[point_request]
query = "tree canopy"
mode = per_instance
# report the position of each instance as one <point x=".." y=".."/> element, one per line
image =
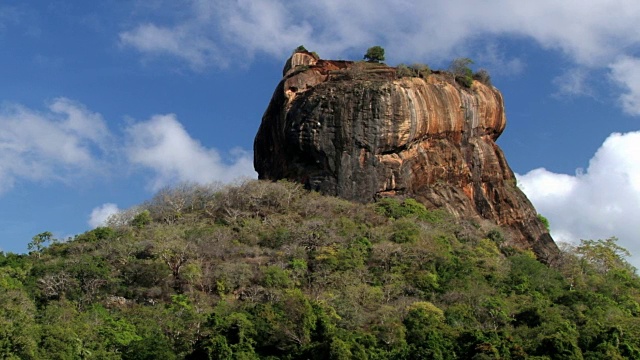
<point x="374" y="54"/>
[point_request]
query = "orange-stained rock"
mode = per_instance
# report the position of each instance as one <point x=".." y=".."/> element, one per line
<point x="353" y="130"/>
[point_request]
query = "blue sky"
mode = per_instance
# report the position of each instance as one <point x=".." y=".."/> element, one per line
<point x="103" y="103"/>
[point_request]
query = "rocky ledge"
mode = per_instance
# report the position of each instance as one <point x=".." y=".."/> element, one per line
<point x="355" y="130"/>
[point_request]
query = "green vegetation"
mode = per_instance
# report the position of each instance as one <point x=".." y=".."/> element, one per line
<point x="270" y="271"/>
<point x="374" y="54"/>
<point x="461" y="71"/>
<point x="463" y="75"/>
<point x="544" y="221"/>
<point x="38" y="242"/>
<point x="415" y="70"/>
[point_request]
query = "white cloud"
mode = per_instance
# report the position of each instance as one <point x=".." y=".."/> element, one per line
<point x="591" y="33"/>
<point x="432" y="28"/>
<point x="53" y="145"/>
<point x="626" y="73"/>
<point x="68" y="142"/>
<point x="600" y="202"/>
<point x="162" y="145"/>
<point x="574" y="82"/>
<point x="494" y="58"/>
<point x="182" y="42"/>
<point x="101" y="214"/>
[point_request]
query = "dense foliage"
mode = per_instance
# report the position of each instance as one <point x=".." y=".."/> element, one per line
<point x="374" y="54"/>
<point x="269" y="271"/>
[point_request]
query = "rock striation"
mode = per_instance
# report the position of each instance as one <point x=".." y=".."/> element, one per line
<point x="356" y="131"/>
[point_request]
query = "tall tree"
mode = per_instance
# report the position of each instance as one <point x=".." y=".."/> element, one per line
<point x="374" y="54"/>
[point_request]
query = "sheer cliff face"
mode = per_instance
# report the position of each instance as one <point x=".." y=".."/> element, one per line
<point x="357" y="132"/>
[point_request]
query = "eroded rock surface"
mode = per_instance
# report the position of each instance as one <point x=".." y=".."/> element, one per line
<point x="356" y="131"/>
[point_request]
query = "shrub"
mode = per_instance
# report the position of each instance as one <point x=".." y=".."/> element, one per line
<point x="405" y="231"/>
<point x="421" y="70"/>
<point x="95" y="235"/>
<point x="143" y="218"/>
<point x="461" y="72"/>
<point x="415" y="70"/>
<point x="403" y="70"/>
<point x="483" y="76"/>
<point x="544" y="221"/>
<point x="496" y="236"/>
<point x="393" y="208"/>
<point x="276" y="277"/>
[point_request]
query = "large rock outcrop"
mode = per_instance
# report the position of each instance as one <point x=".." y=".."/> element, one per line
<point x="356" y="131"/>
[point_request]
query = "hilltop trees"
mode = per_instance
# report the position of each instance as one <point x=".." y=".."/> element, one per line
<point x="267" y="270"/>
<point x="38" y="242"/>
<point x="374" y="54"/>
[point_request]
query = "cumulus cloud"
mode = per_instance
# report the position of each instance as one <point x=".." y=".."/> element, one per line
<point x="163" y="146"/>
<point x="68" y="142"/>
<point x="101" y="214"/>
<point x="599" y="202"/>
<point x="63" y="142"/>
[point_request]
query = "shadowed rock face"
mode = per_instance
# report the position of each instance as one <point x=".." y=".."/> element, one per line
<point x="355" y="131"/>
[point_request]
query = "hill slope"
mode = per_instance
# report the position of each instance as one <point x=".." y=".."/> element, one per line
<point x="271" y="271"/>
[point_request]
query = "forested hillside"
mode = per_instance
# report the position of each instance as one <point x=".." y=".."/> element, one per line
<point x="266" y="270"/>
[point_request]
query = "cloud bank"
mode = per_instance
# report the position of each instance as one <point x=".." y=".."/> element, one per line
<point x="68" y="142"/>
<point x="217" y="28"/>
<point x="597" y="203"/>
<point x="592" y="34"/>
